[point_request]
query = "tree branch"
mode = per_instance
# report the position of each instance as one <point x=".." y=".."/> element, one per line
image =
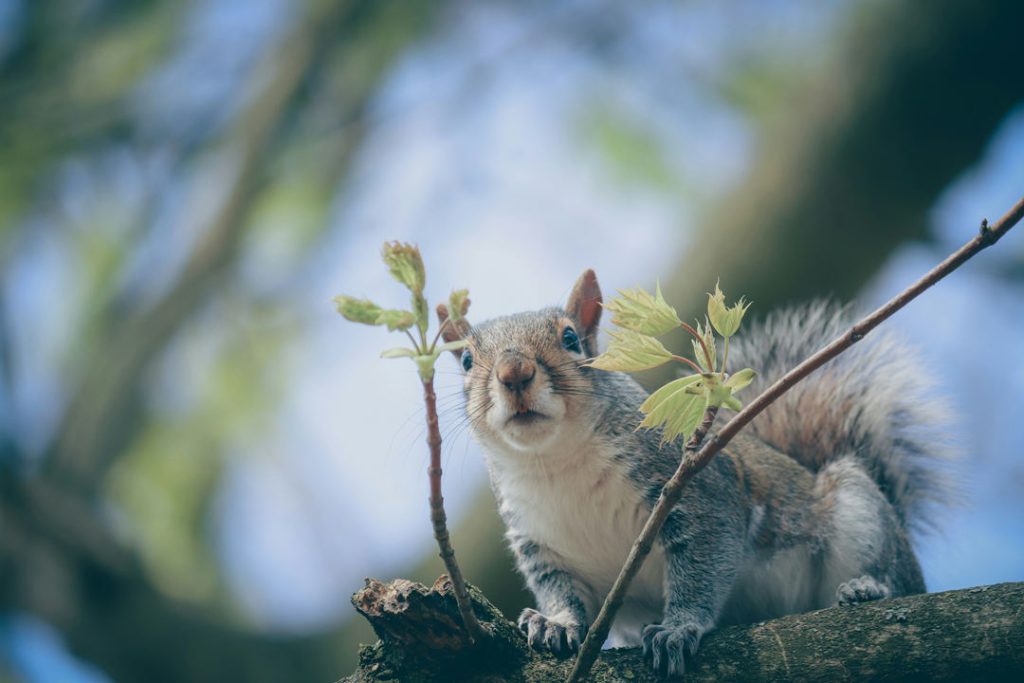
<point x="692" y="463"/>
<point x="973" y="634"/>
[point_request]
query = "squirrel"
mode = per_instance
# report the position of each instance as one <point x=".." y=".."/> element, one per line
<point x="812" y="505"/>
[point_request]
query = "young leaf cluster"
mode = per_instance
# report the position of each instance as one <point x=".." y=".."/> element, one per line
<point x="678" y="407"/>
<point x="406" y="266"/>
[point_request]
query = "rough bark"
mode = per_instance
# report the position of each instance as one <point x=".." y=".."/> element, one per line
<point x="972" y="634"/>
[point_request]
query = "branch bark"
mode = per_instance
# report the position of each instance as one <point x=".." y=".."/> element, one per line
<point x="972" y="634"/>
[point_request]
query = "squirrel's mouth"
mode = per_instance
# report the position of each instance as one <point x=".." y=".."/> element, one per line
<point x="527" y="417"/>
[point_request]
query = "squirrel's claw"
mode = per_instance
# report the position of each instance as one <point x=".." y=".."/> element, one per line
<point x="666" y="647"/>
<point x="543" y="633"/>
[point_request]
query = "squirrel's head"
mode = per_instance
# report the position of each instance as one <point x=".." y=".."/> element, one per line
<point x="524" y="380"/>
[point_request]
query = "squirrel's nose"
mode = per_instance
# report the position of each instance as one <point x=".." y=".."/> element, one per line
<point x="516" y="373"/>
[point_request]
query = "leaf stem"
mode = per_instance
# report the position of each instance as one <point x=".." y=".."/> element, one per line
<point x="692" y="463"/>
<point x="684" y="359"/>
<point x="707" y="354"/>
<point x="416" y="346"/>
<point x="725" y="355"/>
<point x="437" y="336"/>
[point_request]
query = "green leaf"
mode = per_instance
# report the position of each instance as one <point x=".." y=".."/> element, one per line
<point x="399" y="352"/>
<point x="639" y="311"/>
<point x="405" y="264"/>
<point x="630" y="351"/>
<point x="726" y="319"/>
<point x="458" y="304"/>
<point x="708" y="336"/>
<point x="422" y="311"/>
<point x="674" y="406"/>
<point x="453" y="345"/>
<point x="358" y="310"/>
<point x="739" y="380"/>
<point x="395" y="319"/>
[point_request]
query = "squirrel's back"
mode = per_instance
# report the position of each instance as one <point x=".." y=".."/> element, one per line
<point x="873" y="402"/>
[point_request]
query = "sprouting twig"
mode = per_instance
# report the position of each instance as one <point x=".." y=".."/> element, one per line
<point x="693" y="462"/>
<point x="439" y="519"/>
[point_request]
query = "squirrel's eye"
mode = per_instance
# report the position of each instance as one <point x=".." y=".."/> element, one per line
<point x="467" y="360"/>
<point x="570" y="340"/>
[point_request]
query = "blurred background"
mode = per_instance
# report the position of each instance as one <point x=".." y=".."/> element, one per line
<point x="200" y="460"/>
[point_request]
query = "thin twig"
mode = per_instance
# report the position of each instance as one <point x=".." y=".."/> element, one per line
<point x="440" y="519"/>
<point x="692" y="463"/>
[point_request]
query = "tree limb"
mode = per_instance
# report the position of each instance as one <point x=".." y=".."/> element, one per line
<point x="972" y="634"/>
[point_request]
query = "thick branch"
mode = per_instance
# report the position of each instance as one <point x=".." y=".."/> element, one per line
<point x="974" y="634"/>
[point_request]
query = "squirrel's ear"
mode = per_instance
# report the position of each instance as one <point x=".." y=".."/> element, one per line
<point x="585" y="307"/>
<point x="452" y="331"/>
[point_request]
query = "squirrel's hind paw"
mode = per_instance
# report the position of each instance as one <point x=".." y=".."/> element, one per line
<point x="544" y="633"/>
<point x="666" y="647"/>
<point x="863" y="589"/>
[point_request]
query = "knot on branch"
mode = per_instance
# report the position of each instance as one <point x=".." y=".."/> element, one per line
<point x="423" y="626"/>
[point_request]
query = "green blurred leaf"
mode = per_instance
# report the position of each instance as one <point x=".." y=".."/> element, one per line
<point x="396" y="319"/>
<point x="421" y="311"/>
<point x="458" y="304"/>
<point x="400" y="352"/>
<point x="632" y="148"/>
<point x="637" y="310"/>
<point x="630" y="351"/>
<point x="405" y="265"/>
<point x="358" y="310"/>
<point x="453" y="345"/>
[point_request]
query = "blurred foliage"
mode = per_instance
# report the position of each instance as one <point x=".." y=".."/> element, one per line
<point x="632" y="150"/>
<point x="169" y="171"/>
<point x="179" y="217"/>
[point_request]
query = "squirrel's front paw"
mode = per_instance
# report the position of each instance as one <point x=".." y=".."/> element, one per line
<point x="560" y="636"/>
<point x="666" y="646"/>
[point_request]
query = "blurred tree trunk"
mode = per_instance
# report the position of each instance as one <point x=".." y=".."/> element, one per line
<point x="851" y="172"/>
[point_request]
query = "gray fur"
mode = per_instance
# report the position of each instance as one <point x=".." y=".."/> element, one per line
<point x="808" y="507"/>
<point x="874" y="401"/>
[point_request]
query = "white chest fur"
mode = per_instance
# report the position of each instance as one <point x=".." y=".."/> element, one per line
<point x="575" y="501"/>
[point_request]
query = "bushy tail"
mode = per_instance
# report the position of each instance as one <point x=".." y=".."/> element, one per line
<point x="872" y="401"/>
